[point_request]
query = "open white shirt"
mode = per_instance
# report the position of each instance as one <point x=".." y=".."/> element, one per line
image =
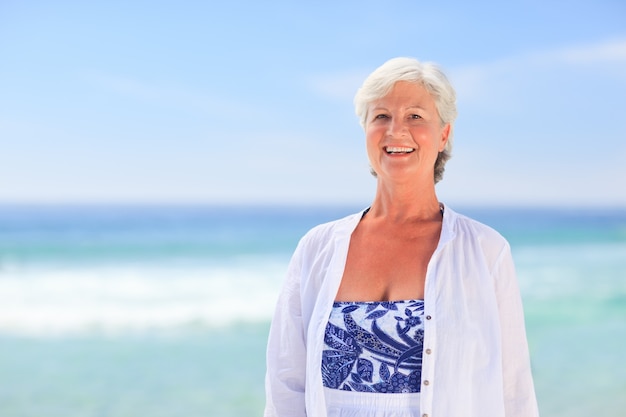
<point x="475" y="361"/>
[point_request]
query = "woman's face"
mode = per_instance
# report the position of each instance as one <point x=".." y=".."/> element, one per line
<point x="404" y="134"/>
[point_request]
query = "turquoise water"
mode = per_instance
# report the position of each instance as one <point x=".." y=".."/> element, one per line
<point x="164" y="311"/>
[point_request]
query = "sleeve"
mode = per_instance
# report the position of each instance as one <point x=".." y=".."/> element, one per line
<point x="519" y="391"/>
<point x="286" y="349"/>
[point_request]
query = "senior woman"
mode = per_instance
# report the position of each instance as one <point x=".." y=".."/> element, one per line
<point x="406" y="308"/>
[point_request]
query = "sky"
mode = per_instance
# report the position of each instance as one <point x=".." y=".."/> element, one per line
<point x="250" y="102"/>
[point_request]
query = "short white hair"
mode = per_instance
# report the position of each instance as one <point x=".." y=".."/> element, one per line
<point x="427" y="74"/>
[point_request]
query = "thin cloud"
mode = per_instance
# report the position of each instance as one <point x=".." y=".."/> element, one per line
<point x="612" y="51"/>
<point x="180" y="97"/>
<point x="126" y="86"/>
<point x="340" y="86"/>
<point x="475" y="81"/>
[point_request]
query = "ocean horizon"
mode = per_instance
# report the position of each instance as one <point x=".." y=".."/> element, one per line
<point x="163" y="310"/>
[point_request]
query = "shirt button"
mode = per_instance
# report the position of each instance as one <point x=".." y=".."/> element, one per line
<point x="428" y="317"/>
<point x="426" y="382"/>
<point x="428" y="351"/>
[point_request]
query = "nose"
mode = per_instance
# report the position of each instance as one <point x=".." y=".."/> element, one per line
<point x="397" y="128"/>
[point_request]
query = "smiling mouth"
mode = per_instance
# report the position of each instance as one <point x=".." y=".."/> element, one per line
<point x="395" y="150"/>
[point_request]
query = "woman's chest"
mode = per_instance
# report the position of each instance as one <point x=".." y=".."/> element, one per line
<point x="386" y="267"/>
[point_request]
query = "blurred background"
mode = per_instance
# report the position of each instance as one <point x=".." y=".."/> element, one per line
<point x="160" y="161"/>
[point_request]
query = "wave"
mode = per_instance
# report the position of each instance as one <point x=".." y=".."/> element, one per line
<point x="60" y="300"/>
<point x="558" y="282"/>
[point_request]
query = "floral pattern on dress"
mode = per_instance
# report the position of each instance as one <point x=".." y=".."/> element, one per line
<point x="374" y="347"/>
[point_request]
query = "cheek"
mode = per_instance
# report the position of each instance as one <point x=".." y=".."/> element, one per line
<point x="372" y="148"/>
<point x="370" y="138"/>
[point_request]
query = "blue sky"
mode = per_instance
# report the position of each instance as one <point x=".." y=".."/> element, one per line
<point x="251" y="102"/>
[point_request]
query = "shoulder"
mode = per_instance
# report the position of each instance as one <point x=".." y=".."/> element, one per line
<point x="324" y="234"/>
<point x="476" y="229"/>
<point x="471" y="233"/>
<point x="317" y="249"/>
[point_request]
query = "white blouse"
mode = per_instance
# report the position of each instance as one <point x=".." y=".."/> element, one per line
<point x="475" y="360"/>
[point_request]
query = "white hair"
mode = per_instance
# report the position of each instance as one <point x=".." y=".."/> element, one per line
<point x="380" y="82"/>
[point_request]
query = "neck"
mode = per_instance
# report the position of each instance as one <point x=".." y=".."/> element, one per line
<point x="401" y="203"/>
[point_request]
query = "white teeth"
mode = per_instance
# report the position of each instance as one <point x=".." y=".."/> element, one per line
<point x="398" y="149"/>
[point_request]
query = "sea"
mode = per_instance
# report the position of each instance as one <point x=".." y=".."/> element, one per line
<point x="163" y="311"/>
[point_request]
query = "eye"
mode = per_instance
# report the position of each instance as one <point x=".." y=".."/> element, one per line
<point x="415" y="116"/>
<point x="381" y="116"/>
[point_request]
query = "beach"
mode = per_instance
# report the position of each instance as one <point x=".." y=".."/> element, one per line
<point x="164" y="310"/>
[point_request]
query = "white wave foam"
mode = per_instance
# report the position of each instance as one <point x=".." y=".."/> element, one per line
<point x="593" y="272"/>
<point x="61" y="300"/>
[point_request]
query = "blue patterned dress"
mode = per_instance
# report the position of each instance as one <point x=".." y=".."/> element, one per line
<point x="372" y="361"/>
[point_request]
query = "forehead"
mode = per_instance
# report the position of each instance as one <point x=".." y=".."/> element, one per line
<point x="407" y="94"/>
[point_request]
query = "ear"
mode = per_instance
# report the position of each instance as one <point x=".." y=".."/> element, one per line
<point x="445" y="133"/>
